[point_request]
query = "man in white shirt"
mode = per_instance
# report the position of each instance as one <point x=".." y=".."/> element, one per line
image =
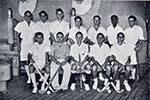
<point x="25" y="30"/>
<point x="134" y="39"/>
<point x="79" y="51"/>
<point x="59" y="25"/>
<point x="39" y="59"/>
<point x="77" y="28"/>
<point x="113" y="29"/>
<point x="95" y="29"/>
<point x="122" y="57"/>
<point x="60" y="55"/>
<point x="44" y="26"/>
<point x="99" y="52"/>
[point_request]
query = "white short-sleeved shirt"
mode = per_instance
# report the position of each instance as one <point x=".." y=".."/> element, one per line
<point x="75" y="50"/>
<point x="27" y="34"/>
<point x="92" y="33"/>
<point x="121" y="52"/>
<point x="100" y="53"/>
<point x="112" y="33"/>
<point x="133" y="35"/>
<point x="39" y="54"/>
<point x="45" y="29"/>
<point x="57" y="26"/>
<point x="27" y="31"/>
<point x="74" y="30"/>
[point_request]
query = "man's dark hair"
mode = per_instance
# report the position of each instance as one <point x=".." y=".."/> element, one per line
<point x="60" y="33"/>
<point x="39" y="33"/>
<point x="97" y="17"/>
<point x="30" y="14"/>
<point x="36" y="34"/>
<point x="132" y="16"/>
<point x="100" y="34"/>
<point x="79" y="33"/>
<point x="114" y="16"/>
<point x="44" y="13"/>
<point x="77" y="17"/>
<point x="120" y="33"/>
<point x="59" y="9"/>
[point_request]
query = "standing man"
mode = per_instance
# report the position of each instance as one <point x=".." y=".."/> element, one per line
<point x="60" y="56"/>
<point x="77" y="28"/>
<point x="59" y="25"/>
<point x="25" y="30"/>
<point x="44" y="26"/>
<point x="113" y="29"/>
<point x="134" y="39"/>
<point x="95" y="29"/>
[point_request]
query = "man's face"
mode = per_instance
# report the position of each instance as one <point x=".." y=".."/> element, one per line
<point x="78" y="22"/>
<point x="120" y="38"/>
<point x="131" y="22"/>
<point x="79" y="37"/>
<point x="59" y="15"/>
<point x="100" y="39"/>
<point x="39" y="39"/>
<point x="114" y="21"/>
<point x="43" y="17"/>
<point x="96" y="21"/>
<point x="28" y="16"/>
<point x="59" y="37"/>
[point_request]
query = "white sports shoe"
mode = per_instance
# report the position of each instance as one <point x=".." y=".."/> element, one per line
<point x="95" y="84"/>
<point x="40" y="79"/>
<point x="101" y="77"/>
<point x="72" y="86"/>
<point x="29" y="81"/>
<point x="35" y="89"/>
<point x="127" y="86"/>
<point x="87" y="88"/>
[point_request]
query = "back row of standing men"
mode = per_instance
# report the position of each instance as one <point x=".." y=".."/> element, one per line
<point x="131" y="37"/>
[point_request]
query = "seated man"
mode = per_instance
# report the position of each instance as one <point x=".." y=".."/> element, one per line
<point x="99" y="52"/>
<point x="79" y="54"/>
<point x="60" y="56"/>
<point x="121" y="55"/>
<point x="38" y="56"/>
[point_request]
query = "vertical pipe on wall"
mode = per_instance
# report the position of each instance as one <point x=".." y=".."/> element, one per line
<point x="10" y="26"/>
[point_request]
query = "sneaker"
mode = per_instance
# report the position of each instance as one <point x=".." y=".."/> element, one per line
<point x="29" y="81"/>
<point x="87" y="88"/>
<point x="35" y="89"/>
<point x="95" y="84"/>
<point x="58" y="88"/>
<point x="72" y="86"/>
<point x="40" y="79"/>
<point x="127" y="86"/>
<point x="101" y="77"/>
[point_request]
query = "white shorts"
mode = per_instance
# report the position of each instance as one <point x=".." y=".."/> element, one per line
<point x="40" y="65"/>
<point x="24" y="53"/>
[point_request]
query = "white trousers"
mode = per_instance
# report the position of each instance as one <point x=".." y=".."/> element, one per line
<point x="66" y="75"/>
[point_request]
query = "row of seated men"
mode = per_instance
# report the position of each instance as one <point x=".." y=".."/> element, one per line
<point x="50" y="46"/>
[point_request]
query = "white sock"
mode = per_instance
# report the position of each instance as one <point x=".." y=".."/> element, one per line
<point x="28" y="75"/>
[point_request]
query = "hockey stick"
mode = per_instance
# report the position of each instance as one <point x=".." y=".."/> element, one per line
<point x="51" y="80"/>
<point x="110" y="82"/>
<point x="50" y="87"/>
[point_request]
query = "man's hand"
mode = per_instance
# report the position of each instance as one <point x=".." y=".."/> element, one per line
<point x="128" y="61"/>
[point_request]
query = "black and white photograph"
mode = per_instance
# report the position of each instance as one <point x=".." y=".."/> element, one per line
<point x="74" y="49"/>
